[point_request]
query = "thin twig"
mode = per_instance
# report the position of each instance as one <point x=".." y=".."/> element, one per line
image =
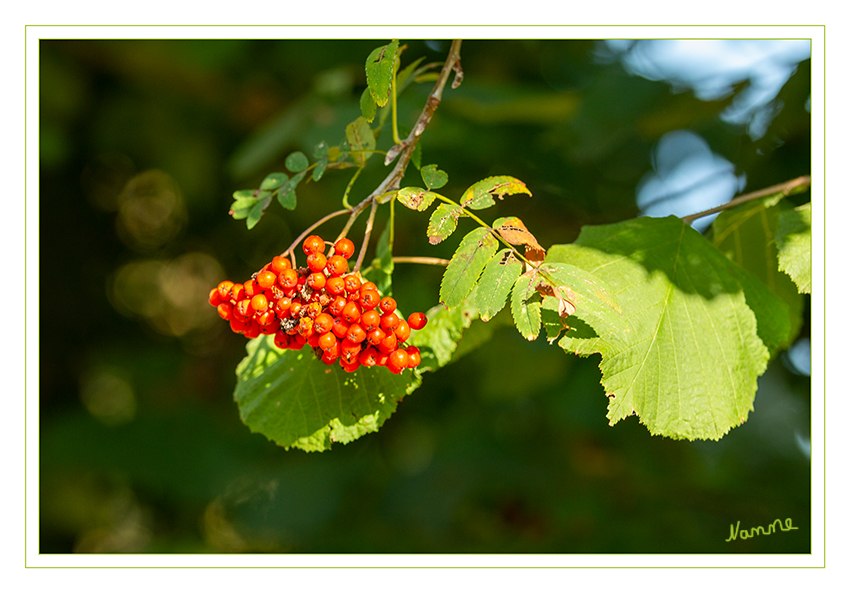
<point x="785" y="188"/>
<point x="412" y="259"/>
<point x="366" y="236"/>
<point x="311" y="228"/>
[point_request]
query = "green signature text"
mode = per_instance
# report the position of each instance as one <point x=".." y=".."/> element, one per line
<point x="735" y="531"/>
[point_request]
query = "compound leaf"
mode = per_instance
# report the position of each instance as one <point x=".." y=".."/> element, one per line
<point x="698" y="327"/>
<point x="466" y="265"/>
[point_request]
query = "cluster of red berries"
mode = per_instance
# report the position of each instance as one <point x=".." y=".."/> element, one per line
<point x="337" y="314"/>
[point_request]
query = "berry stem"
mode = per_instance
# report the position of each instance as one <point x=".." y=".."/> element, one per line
<point x="309" y="230"/>
<point x="412" y="259"/>
<point x="366" y="235"/>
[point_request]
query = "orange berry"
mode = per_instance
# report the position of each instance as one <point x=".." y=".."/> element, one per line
<point x="295" y="308"/>
<point x="237" y="293"/>
<point x="323" y="323"/>
<point x="313" y="244"/>
<point x="388" y="304"/>
<point x="337" y="305"/>
<point x="260" y="303"/>
<point x="352" y="282"/>
<point x="402" y="330"/>
<point x="388" y="344"/>
<point x="350" y="367"/>
<point x="351" y="312"/>
<point x="266" y="279"/>
<point x="368" y="285"/>
<point x="369" y="299"/>
<point x="327" y="340"/>
<point x="281" y="340"/>
<point x="244" y="308"/>
<point x="337" y="265"/>
<point x="224" y="289"/>
<point x="225" y="311"/>
<point x="368" y="357"/>
<point x="288" y="279"/>
<point x="376" y="336"/>
<point x="281" y="307"/>
<point x="280" y="263"/>
<point x="335" y="285"/>
<point x="414" y="357"/>
<point x="355" y="333"/>
<point x="340" y="328"/>
<point x="317" y="262"/>
<point x="215" y="300"/>
<point x="238" y="326"/>
<point x="344" y="248"/>
<point x="316" y="281"/>
<point x="417" y="320"/>
<point x="251" y="289"/>
<point x="389" y="321"/>
<point x="370" y="320"/>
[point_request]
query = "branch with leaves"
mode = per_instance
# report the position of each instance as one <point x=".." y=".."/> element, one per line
<point x="685" y="323"/>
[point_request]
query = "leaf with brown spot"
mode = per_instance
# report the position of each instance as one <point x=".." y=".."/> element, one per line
<point x="480" y="195"/>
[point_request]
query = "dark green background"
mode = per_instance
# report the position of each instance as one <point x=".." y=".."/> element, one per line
<point x="505" y="451"/>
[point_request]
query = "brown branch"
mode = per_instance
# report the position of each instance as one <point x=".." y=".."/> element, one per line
<point x="785" y="188"/>
<point x="412" y="259"/>
<point x="366" y="235"/>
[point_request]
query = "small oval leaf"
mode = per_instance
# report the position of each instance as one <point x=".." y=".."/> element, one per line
<point x="297" y="162"/>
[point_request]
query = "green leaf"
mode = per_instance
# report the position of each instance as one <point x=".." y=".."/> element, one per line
<point x="286" y="194"/>
<point x="589" y="299"/>
<point x="368" y="107"/>
<point x="404" y="74"/>
<point x="321" y="151"/>
<point x="255" y="214"/>
<point x="481" y="194"/>
<point x="244" y="193"/>
<point x="433" y="177"/>
<point x="443" y="222"/>
<point x="274" y="181"/>
<point x="794" y="241"/>
<point x="416" y="198"/>
<point x="466" y="265"/>
<point x="360" y="137"/>
<point x="525" y="306"/>
<point x="697" y="327"/>
<point x="319" y="169"/>
<point x="297" y="162"/>
<point x="746" y="235"/>
<point x="416" y="157"/>
<point x="497" y="279"/>
<point x="380" y="66"/>
<point x="297" y="401"/>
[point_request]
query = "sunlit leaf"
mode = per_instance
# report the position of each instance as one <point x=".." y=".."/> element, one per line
<point x="274" y="181"/>
<point x="525" y="306"/>
<point x="698" y="326"/>
<point x="416" y="198"/>
<point x="481" y="194"/>
<point x="443" y="222"/>
<point x="497" y="279"/>
<point x="433" y="177"/>
<point x="466" y="265"/>
<point x="794" y="241"/>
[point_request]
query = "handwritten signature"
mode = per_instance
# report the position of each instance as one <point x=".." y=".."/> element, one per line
<point x="735" y="531"/>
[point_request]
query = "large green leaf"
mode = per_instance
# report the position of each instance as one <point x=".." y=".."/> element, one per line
<point x="297" y="401"/>
<point x="746" y="235"/>
<point x="697" y="327"/>
<point x="466" y="265"/>
<point x="794" y="241"/>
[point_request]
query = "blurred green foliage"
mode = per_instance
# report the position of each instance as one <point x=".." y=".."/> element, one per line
<point x="142" y="144"/>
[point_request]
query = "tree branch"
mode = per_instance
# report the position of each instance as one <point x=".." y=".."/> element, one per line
<point x="786" y="188"/>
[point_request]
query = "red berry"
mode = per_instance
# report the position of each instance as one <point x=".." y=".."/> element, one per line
<point x="388" y="304"/>
<point x="335" y="285"/>
<point x="225" y="311"/>
<point x="398" y="359"/>
<point x="244" y="308"/>
<point x="352" y="283"/>
<point x="344" y="248"/>
<point x="316" y="281"/>
<point x="317" y="262"/>
<point x="251" y="289"/>
<point x="327" y="340"/>
<point x="281" y="340"/>
<point x="313" y="244"/>
<point x="337" y="305"/>
<point x="260" y="303"/>
<point x="266" y="279"/>
<point x="369" y="299"/>
<point x="337" y="265"/>
<point x="281" y="307"/>
<point x="402" y="330"/>
<point x="224" y="289"/>
<point x="340" y="327"/>
<point x="417" y="320"/>
<point x="370" y="320"/>
<point x="288" y="279"/>
<point x="368" y="357"/>
<point x="237" y="293"/>
<point x="414" y="357"/>
<point x="323" y="323"/>
<point x="389" y="321"/>
<point x="351" y="312"/>
<point x="279" y="264"/>
<point x="388" y="344"/>
<point x="355" y="333"/>
<point x="376" y="336"/>
<point x="215" y="300"/>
